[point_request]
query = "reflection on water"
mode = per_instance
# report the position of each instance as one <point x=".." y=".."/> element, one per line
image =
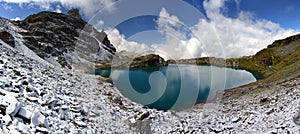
<point x="175" y="87"/>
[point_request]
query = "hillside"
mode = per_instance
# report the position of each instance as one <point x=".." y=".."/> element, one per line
<point x="279" y="61"/>
<point x="64" y="40"/>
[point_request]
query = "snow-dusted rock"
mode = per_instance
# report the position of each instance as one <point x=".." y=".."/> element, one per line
<point x="235" y="119"/>
<point x="25" y="113"/>
<point x="38" y="119"/>
<point x="23" y="128"/>
<point x="297" y="119"/>
<point x="80" y="123"/>
<point x="7" y="119"/>
<point x="13" y="105"/>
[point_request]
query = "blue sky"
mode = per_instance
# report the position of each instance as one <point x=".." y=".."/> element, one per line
<point x="284" y="12"/>
<point x="150" y="24"/>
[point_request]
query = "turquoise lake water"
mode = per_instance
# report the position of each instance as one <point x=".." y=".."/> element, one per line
<point x="175" y="87"/>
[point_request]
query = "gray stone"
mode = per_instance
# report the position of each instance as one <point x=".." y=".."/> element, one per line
<point x="13" y="105"/>
<point x="38" y="119"/>
<point x="7" y="119"/>
<point x="25" y="113"/>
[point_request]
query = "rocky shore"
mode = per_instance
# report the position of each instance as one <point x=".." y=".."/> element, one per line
<point x="36" y="97"/>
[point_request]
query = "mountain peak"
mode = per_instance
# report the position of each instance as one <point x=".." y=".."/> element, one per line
<point x="60" y="39"/>
<point x="74" y="13"/>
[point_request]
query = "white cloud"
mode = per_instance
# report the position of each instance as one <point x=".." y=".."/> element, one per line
<point x="58" y="9"/>
<point x="88" y="7"/>
<point x="234" y="37"/>
<point x="177" y="46"/>
<point x="99" y="25"/>
<point x="121" y="43"/>
<point x="219" y="36"/>
<point x="16" y="19"/>
<point x="7" y="7"/>
<point x="289" y="9"/>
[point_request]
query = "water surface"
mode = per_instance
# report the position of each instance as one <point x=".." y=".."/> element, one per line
<point x="175" y="87"/>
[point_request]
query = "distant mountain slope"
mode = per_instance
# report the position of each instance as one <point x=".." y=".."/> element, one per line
<point x="61" y="39"/>
<point x="278" y="61"/>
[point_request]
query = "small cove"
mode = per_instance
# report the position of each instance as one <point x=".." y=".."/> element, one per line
<point x="175" y="86"/>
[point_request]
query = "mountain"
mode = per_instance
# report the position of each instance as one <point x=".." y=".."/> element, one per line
<point x="61" y="39"/>
<point x="279" y="61"/>
<point x="134" y="61"/>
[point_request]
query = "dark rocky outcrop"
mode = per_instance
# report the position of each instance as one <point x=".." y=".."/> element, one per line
<point x="74" y="13"/>
<point x="7" y="38"/>
<point x="147" y="61"/>
<point x="150" y="60"/>
<point x="56" y="35"/>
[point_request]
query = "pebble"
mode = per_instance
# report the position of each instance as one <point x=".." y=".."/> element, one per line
<point x="38" y="119"/>
<point x="23" y="128"/>
<point x="80" y="123"/>
<point x="42" y="129"/>
<point x="7" y="119"/>
<point x="13" y="104"/>
<point x="132" y="120"/>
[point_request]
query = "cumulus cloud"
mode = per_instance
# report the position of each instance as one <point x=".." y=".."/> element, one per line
<point x="58" y="9"/>
<point x="218" y="36"/>
<point x="16" y="19"/>
<point x="7" y="7"/>
<point x="122" y="44"/>
<point x="234" y="37"/>
<point x="177" y="45"/>
<point x="88" y="7"/>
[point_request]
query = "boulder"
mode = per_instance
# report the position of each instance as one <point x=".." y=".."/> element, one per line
<point x="38" y="119"/>
<point x="12" y="104"/>
<point x="25" y="113"/>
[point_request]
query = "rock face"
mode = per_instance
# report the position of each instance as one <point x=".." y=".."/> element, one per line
<point x="74" y="13"/>
<point x="7" y="37"/>
<point x="62" y="39"/>
<point x="147" y="60"/>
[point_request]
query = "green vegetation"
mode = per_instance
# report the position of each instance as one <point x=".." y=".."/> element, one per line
<point x="279" y="61"/>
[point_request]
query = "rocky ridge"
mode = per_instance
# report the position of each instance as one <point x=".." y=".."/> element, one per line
<point x="150" y="60"/>
<point x="60" y="39"/>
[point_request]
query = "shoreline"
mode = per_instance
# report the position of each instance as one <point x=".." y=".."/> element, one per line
<point x="107" y="110"/>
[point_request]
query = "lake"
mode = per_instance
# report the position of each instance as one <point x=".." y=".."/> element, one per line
<point x="175" y="87"/>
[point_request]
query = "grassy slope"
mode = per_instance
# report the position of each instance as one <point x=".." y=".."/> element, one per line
<point x="278" y="63"/>
<point x="281" y="60"/>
